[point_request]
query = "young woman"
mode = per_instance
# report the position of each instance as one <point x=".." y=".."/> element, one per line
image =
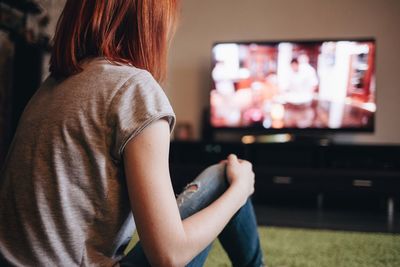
<point x="92" y="149"/>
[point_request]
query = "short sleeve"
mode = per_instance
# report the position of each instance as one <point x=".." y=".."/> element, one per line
<point x="138" y="103"/>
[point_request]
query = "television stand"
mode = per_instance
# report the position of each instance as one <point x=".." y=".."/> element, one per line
<point x="321" y="178"/>
<point x="323" y="140"/>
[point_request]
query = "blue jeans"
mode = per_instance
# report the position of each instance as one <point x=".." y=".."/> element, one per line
<point x="239" y="238"/>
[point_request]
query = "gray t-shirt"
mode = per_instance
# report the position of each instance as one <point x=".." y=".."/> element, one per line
<point x="63" y="195"/>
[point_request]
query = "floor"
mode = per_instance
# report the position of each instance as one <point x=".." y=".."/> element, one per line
<point x="333" y="219"/>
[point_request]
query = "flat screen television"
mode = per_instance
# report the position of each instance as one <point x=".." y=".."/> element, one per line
<point x="293" y="86"/>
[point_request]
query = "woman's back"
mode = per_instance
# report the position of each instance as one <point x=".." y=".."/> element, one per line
<point x="64" y="170"/>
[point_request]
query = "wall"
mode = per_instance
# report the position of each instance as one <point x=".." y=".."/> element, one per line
<point x="206" y="21"/>
<point x="53" y="8"/>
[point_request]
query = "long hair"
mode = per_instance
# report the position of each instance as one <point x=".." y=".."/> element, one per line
<point x="132" y="32"/>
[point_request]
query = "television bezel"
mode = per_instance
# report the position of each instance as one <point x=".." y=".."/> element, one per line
<point x="258" y="130"/>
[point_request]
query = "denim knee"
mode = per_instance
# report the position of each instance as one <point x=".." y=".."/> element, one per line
<point x="206" y="188"/>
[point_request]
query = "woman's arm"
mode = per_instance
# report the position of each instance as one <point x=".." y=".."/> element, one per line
<point x="166" y="239"/>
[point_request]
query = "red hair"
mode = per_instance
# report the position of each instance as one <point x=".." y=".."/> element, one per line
<point x="132" y="32"/>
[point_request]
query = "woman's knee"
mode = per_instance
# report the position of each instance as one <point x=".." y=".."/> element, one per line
<point x="204" y="189"/>
<point x="213" y="174"/>
<point x="213" y="178"/>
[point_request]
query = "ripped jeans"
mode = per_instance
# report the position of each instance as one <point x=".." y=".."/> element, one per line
<point x="239" y="238"/>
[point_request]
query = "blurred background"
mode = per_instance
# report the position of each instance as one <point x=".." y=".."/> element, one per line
<point x="205" y="22"/>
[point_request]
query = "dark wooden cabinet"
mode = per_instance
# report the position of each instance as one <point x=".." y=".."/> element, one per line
<point x="321" y="177"/>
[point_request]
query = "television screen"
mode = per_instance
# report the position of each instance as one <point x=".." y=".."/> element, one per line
<point x="328" y="85"/>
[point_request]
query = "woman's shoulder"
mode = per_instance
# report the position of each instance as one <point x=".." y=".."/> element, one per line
<point x="108" y="69"/>
<point x="100" y="75"/>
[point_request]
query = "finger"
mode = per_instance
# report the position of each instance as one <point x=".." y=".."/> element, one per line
<point x="246" y="162"/>
<point x="232" y="158"/>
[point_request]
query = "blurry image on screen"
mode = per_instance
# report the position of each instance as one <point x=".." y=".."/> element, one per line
<point x="327" y="85"/>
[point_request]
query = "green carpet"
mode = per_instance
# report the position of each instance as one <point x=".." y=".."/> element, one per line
<point x="286" y="247"/>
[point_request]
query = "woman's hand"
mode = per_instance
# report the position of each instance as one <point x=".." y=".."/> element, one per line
<point x="240" y="173"/>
